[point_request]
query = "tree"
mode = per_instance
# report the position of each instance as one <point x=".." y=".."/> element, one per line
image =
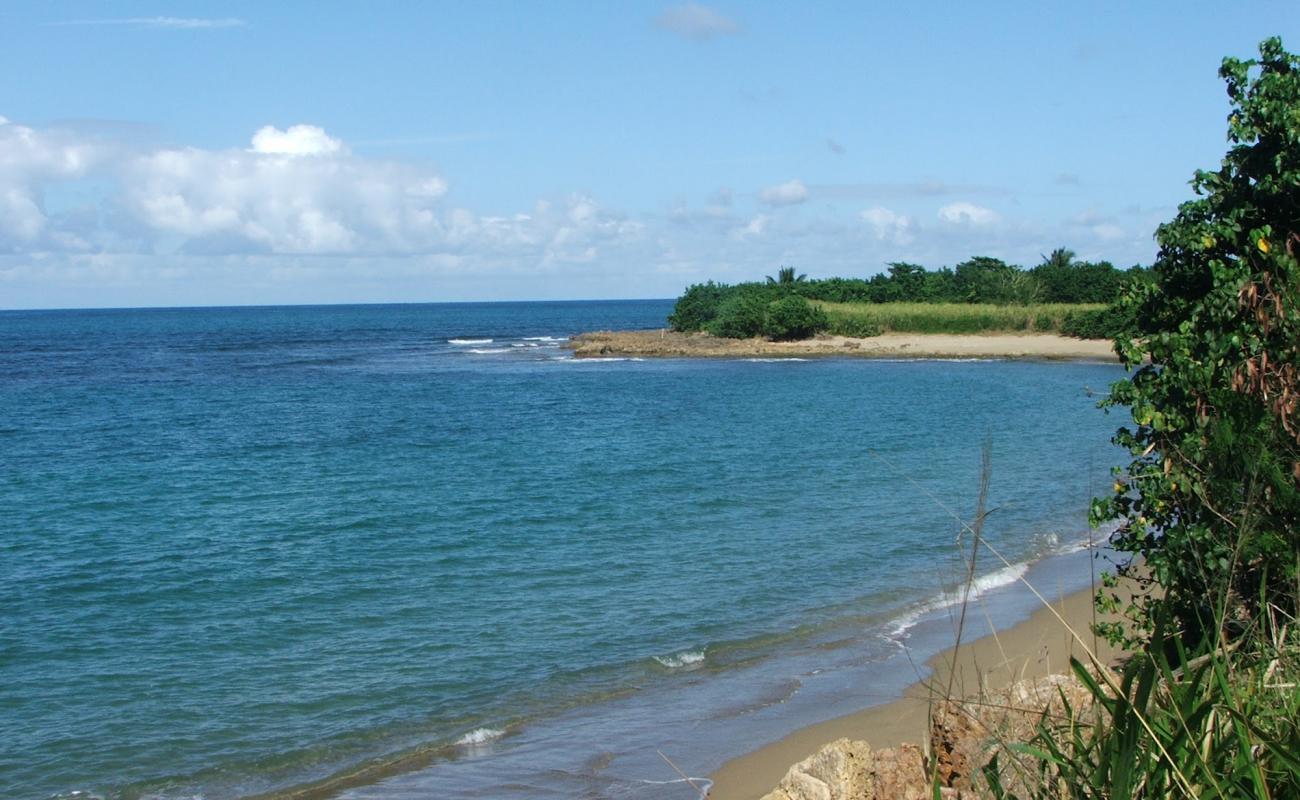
<point x="793" y="317"/>
<point x="1211" y="498"/>
<point x="697" y="307"/>
<point x="786" y="278"/>
<point x="1061" y="258"/>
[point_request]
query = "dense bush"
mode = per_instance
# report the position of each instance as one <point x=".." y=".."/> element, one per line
<point x="979" y="281"/>
<point x="1211" y="500"/>
<point x="793" y="317"/>
<point x="1110" y="322"/>
<point x="740" y="316"/>
<point x="697" y="307"/>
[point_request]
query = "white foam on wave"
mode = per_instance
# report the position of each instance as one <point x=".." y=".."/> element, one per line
<point x="982" y="584"/>
<point x="686" y="658"/>
<point x="488" y="350"/>
<point x="772" y="360"/>
<point x="524" y="344"/>
<point x="947" y="360"/>
<point x="545" y="339"/>
<point x="480" y="736"/>
<point x="469" y="341"/>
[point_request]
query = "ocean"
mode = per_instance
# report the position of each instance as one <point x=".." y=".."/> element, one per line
<point x="421" y="549"/>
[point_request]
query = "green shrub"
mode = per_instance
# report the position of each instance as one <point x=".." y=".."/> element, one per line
<point x="793" y="317"/>
<point x="1210" y="502"/>
<point x="1111" y="322"/>
<point x="697" y="307"/>
<point x="1218" y="726"/>
<point x="740" y="316"/>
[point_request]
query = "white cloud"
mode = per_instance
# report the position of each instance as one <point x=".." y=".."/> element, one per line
<point x="697" y="22"/>
<point x="784" y="194"/>
<point x="298" y="140"/>
<point x="294" y="216"/>
<point x="968" y="214"/>
<point x="889" y="226"/>
<point x="173" y="23"/>
<point x="32" y="160"/>
<point x="294" y="191"/>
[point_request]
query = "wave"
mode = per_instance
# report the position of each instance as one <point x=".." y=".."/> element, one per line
<point x="469" y="341"/>
<point x="772" y="360"/>
<point x="488" y="350"/>
<point x="686" y="658"/>
<point x="982" y="584"/>
<point x="545" y="338"/>
<point x="480" y="736"/>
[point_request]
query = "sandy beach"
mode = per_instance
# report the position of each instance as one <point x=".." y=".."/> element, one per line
<point x="671" y="344"/>
<point x="987" y="660"/>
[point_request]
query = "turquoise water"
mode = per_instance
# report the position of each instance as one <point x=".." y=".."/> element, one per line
<point x="244" y="549"/>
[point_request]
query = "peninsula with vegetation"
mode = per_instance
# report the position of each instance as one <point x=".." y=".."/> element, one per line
<point x="982" y="307"/>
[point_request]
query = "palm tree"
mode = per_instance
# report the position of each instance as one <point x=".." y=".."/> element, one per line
<point x="1060" y="257"/>
<point x="785" y="277"/>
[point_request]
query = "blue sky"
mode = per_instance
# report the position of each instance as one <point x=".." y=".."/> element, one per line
<point x="232" y="153"/>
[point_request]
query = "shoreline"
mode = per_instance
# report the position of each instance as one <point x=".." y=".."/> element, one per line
<point x="663" y="343"/>
<point x="988" y="659"/>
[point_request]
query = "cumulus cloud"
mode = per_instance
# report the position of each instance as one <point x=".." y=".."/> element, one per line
<point x="697" y="22"/>
<point x="31" y="161"/>
<point x="789" y="193"/>
<point x="292" y="191"/>
<point x="298" y="140"/>
<point x="963" y="213"/>
<point x="172" y="23"/>
<point x="889" y="226"/>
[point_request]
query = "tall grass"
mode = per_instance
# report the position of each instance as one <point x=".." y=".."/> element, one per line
<point x="865" y="319"/>
<point x="1220" y="721"/>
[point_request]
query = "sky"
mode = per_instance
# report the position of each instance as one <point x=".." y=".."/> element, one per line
<point x="227" y="153"/>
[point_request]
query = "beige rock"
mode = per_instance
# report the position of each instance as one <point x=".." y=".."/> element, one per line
<point x="963" y="736"/>
<point x="849" y="770"/>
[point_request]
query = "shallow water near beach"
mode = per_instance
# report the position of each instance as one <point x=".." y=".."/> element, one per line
<point x="247" y="549"/>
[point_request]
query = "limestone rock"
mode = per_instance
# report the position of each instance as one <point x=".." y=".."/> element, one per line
<point x="839" y="771"/>
<point x="849" y="770"/>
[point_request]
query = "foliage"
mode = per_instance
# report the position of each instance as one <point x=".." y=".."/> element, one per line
<point x="1211" y="499"/>
<point x="1111" y="322"/>
<point x="698" y="306"/>
<point x="1062" y="279"/>
<point x="978" y="281"/>
<point x="1219" y="726"/>
<point x="955" y="318"/>
<point x="785" y="277"/>
<point x="793" y="317"/>
<point x="858" y="327"/>
<point x="740" y="316"/>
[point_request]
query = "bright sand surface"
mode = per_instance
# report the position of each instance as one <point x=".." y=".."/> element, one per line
<point x="986" y="659"/>
<point x="670" y="344"/>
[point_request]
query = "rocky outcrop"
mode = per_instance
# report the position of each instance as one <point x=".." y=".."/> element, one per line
<point x="850" y="770"/>
<point x="964" y="734"/>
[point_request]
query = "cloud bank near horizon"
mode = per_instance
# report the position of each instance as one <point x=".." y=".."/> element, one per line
<point x="296" y="205"/>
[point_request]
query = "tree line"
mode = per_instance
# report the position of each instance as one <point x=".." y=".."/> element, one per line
<point x="750" y="308"/>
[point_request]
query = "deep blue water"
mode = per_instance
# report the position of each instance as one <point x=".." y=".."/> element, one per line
<point x="241" y="549"/>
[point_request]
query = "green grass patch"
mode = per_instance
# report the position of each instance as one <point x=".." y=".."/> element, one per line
<point x="864" y="319"/>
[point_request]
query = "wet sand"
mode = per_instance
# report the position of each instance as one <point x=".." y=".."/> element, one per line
<point x="986" y="660"/>
<point x="671" y="344"/>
